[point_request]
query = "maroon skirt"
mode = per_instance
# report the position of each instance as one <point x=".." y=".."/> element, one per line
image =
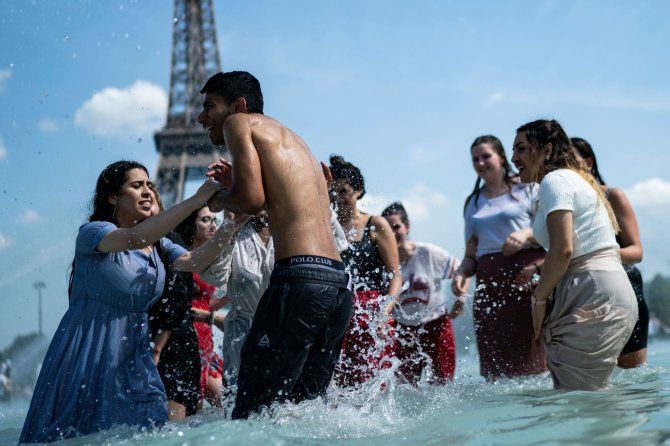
<point x="503" y="318"/>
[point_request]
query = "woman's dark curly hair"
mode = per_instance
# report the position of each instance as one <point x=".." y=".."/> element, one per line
<point x="344" y="170"/>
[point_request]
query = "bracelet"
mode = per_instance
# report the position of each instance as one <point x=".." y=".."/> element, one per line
<point x="535" y="302"/>
<point x="210" y="318"/>
<point x="538" y="270"/>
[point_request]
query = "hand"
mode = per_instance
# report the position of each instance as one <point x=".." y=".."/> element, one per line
<point x="539" y="312"/>
<point x="457" y="309"/>
<point x="515" y="241"/>
<point x="459" y="284"/>
<point x="526" y="277"/>
<point x="218" y="321"/>
<point x="388" y="309"/>
<point x="221" y="172"/>
<point x="207" y="191"/>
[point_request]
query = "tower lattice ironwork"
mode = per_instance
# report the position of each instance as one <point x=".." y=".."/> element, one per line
<point x="184" y="148"/>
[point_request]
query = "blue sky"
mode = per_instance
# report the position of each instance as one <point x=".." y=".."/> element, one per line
<point x="401" y="89"/>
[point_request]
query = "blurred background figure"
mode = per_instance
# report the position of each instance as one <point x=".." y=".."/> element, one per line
<point x="175" y="342"/>
<point x="196" y="230"/>
<point x="5" y="379"/>
<point x="634" y="352"/>
<point x="425" y="337"/>
<point x="372" y="260"/>
<point x="501" y="251"/>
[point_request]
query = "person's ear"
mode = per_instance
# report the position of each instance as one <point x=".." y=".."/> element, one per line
<point x="589" y="163"/>
<point x="113" y="199"/>
<point x="240" y="105"/>
<point x="548" y="149"/>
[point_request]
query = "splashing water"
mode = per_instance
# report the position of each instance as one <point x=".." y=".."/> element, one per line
<point x="468" y="411"/>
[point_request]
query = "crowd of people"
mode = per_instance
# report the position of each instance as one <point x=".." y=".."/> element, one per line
<point x="319" y="290"/>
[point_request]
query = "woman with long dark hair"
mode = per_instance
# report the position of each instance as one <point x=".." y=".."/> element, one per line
<point x="99" y="371"/>
<point x="196" y="230"/>
<point x="634" y="353"/>
<point x="501" y="252"/>
<point x="584" y="306"/>
<point x="372" y="259"/>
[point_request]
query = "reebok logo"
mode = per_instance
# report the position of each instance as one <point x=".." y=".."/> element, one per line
<point x="264" y="342"/>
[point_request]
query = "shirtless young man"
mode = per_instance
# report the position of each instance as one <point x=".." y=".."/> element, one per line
<point x="297" y="331"/>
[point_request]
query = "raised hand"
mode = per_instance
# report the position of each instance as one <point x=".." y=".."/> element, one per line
<point x="207" y="190"/>
<point x="221" y="172"/>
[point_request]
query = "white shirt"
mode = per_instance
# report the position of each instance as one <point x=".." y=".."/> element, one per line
<point x="565" y="189"/>
<point x="422" y="275"/>
<point x="492" y="220"/>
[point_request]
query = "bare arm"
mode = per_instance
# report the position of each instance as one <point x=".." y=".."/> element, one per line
<point x="199" y="259"/>
<point x="631" y="245"/>
<point x="461" y="281"/>
<point x="159" y="343"/>
<point x="559" y="226"/>
<point x="208" y="317"/>
<point x="149" y="231"/>
<point x="245" y="193"/>
<point x="388" y="252"/>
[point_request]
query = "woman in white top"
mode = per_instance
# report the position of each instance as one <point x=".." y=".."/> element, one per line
<point x="500" y="250"/>
<point x="584" y="305"/>
<point x="425" y="335"/>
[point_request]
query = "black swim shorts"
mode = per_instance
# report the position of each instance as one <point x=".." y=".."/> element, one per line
<point x="296" y="336"/>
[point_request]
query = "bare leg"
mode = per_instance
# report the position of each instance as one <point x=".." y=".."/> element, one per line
<point x="632" y="359"/>
<point x="176" y="411"/>
<point x="214" y="393"/>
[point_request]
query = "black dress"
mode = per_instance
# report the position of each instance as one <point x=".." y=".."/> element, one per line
<point x="179" y="365"/>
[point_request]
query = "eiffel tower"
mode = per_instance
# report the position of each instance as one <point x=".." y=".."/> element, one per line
<point x="184" y="148"/>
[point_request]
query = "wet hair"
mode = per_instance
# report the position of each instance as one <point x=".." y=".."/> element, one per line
<point x="236" y="84"/>
<point x="396" y="208"/>
<point x="508" y="174"/>
<point x="585" y="150"/>
<point x="344" y="170"/>
<point x="543" y="132"/>
<point x="186" y="229"/>
<point x="109" y="183"/>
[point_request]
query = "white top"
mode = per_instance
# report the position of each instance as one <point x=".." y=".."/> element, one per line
<point x="492" y="220"/>
<point x="422" y="275"/>
<point x="565" y="189"/>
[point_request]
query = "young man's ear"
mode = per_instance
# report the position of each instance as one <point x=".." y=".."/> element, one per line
<point x="240" y="105"/>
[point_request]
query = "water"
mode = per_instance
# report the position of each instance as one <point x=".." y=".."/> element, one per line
<point x="633" y="411"/>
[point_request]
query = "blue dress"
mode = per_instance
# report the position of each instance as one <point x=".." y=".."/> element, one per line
<point x="98" y="371"/>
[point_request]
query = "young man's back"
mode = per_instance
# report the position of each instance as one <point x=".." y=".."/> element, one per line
<point x="298" y="328"/>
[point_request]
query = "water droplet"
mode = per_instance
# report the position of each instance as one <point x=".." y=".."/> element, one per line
<point x="66" y="37"/>
<point x="139" y="140"/>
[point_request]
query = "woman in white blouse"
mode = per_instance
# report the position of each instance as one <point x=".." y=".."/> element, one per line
<point x="584" y="305"/>
<point x="501" y="252"/>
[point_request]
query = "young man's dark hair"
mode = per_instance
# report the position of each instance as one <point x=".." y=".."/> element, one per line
<point x="236" y="84"/>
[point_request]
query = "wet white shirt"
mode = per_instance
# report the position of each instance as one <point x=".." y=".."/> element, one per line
<point x="423" y="274"/>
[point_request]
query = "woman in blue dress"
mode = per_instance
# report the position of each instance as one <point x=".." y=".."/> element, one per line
<point x="98" y="371"/>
